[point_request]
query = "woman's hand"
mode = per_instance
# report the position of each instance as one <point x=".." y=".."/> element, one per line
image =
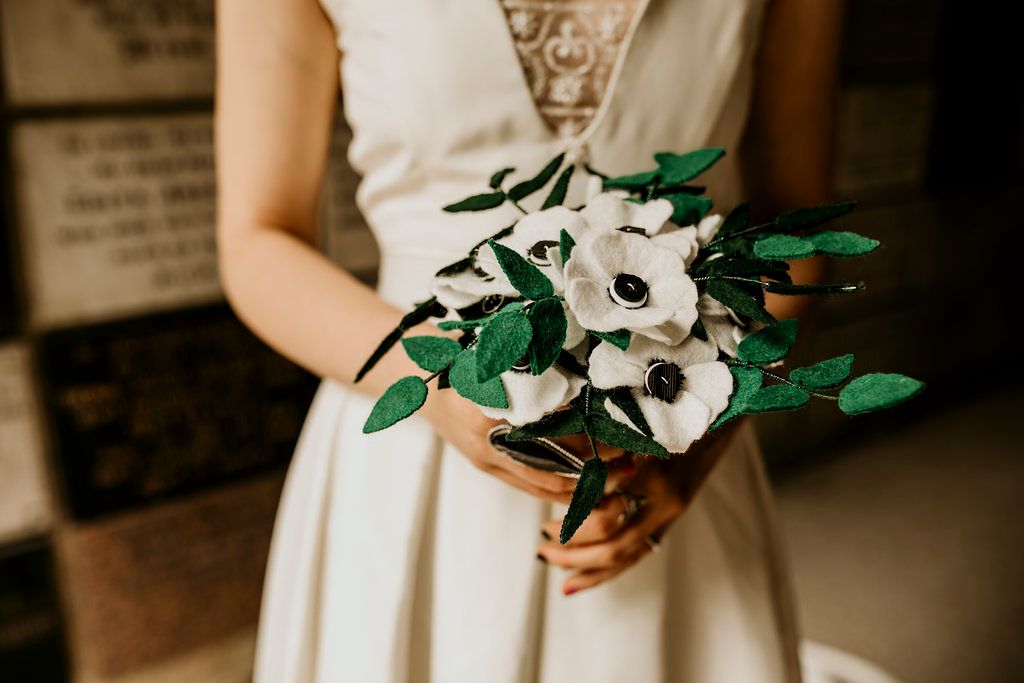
<point x="604" y="547"/>
<point x="460" y="422"/>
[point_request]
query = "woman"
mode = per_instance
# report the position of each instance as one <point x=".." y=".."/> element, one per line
<point x="419" y="553"/>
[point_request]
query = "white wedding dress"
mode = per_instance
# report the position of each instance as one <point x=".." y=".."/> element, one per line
<point x="393" y="558"/>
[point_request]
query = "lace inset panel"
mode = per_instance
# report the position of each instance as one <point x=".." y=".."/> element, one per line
<point x="568" y="50"/>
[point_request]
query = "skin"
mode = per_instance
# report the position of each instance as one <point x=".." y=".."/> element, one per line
<point x="276" y="99"/>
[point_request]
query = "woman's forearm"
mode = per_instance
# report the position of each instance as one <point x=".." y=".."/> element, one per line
<point x="307" y="308"/>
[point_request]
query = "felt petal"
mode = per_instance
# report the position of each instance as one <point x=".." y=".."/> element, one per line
<point x="682" y="241"/>
<point x="596" y="311"/>
<point x="692" y="351"/>
<point x="678" y="424"/>
<point x="610" y="367"/>
<point x="574" y="332"/>
<point x="466" y="288"/>
<point x="721" y="325"/>
<point x="530" y="397"/>
<point x="708" y="228"/>
<point x="711" y="383"/>
<point x="618" y="415"/>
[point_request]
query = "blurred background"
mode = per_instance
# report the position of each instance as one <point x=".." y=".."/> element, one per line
<point x="144" y="432"/>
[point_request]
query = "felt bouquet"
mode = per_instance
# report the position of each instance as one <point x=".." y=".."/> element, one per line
<point x="637" y="319"/>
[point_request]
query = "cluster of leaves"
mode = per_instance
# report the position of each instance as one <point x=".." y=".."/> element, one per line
<point x="737" y="267"/>
<point x="771" y="344"/>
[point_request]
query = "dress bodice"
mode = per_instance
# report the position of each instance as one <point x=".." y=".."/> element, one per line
<point x="437" y="99"/>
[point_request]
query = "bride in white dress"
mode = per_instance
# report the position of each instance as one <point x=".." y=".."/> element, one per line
<point x="416" y="554"/>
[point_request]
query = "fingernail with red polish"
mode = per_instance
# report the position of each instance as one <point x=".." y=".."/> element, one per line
<point x="569" y="591"/>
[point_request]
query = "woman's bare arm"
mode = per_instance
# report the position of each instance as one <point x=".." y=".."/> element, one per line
<point x="276" y="98"/>
<point x="789" y="143"/>
<point x="277" y="93"/>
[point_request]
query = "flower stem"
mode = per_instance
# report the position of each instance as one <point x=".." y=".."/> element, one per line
<point x="516" y="204"/>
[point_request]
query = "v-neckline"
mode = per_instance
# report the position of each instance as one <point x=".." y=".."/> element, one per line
<point x="622" y="54"/>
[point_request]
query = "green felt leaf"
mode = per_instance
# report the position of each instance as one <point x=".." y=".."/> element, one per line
<point x="738" y="299"/>
<point x="431" y="353"/>
<point x="624" y="400"/>
<point x="678" y="168"/>
<point x="745" y="267"/>
<point x="877" y="390"/>
<point x="528" y="187"/>
<point x="557" y="195"/>
<point x="478" y="202"/>
<point x="688" y="209"/>
<point x="422" y="312"/>
<point x="746" y="381"/>
<point x="447" y="325"/>
<point x="842" y="244"/>
<point x="504" y="339"/>
<point x="769" y="344"/>
<point x="784" y="247"/>
<point x="824" y="375"/>
<point x="498" y="178"/>
<point x="775" y="398"/>
<point x="810" y="217"/>
<point x="551" y="426"/>
<point x="549" y="329"/>
<point x="699" y="331"/>
<point x="402" y="399"/>
<point x="463" y="379"/>
<point x="829" y="288"/>
<point x="635" y="181"/>
<point x="523" y="275"/>
<point x="619" y="338"/>
<point x="829" y="243"/>
<point x="585" y="497"/>
<point x="737" y="219"/>
<point x="614" y="433"/>
<point x="455" y="268"/>
<point x="565" y="245"/>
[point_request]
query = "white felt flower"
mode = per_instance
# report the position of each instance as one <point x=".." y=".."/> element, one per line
<point x="608" y="212"/>
<point x="471" y="288"/>
<point x="531" y="397"/>
<point x="680" y="389"/>
<point x="535" y="237"/>
<point x="624" y="280"/>
<point x="724" y="328"/>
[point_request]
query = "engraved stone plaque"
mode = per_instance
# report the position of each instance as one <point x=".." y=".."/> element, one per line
<point x="159" y="406"/>
<point x="116" y="216"/>
<point x="343" y="234"/>
<point x="31" y="639"/>
<point x="883" y="138"/>
<point x="71" y="51"/>
<point x="25" y="507"/>
<point x="157" y="583"/>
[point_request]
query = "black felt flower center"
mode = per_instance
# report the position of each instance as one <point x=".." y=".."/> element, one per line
<point x="663" y="381"/>
<point x="539" y="254"/>
<point x="628" y="290"/>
